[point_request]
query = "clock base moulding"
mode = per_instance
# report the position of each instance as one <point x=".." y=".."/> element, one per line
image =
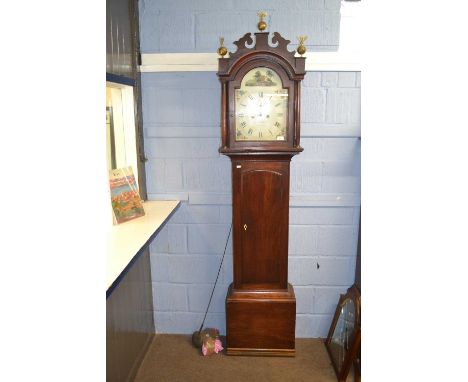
<point x="261" y="322"/>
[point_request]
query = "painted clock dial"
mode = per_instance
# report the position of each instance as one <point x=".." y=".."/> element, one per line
<point x="261" y="107"/>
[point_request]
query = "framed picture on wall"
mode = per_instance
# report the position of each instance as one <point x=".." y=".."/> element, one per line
<point x="344" y="337"/>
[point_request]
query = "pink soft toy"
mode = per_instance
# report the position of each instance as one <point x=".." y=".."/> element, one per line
<point x="211" y="342"/>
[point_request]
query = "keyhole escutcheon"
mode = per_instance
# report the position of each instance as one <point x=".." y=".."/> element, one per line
<point x="245" y="227"/>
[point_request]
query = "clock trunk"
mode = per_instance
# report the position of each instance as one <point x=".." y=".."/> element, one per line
<point x="260" y="305"/>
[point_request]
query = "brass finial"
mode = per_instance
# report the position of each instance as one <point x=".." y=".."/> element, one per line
<point x="262" y="24"/>
<point x="301" y="49"/>
<point x="222" y="51"/>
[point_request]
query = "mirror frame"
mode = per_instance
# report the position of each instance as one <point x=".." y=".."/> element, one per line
<point x="353" y="295"/>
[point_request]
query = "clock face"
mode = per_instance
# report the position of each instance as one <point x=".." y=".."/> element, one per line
<point x="261" y="106"/>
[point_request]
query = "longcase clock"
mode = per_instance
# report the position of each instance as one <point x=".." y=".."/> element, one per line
<point x="260" y="132"/>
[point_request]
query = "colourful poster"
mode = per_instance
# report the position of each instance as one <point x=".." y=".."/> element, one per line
<point x="126" y="202"/>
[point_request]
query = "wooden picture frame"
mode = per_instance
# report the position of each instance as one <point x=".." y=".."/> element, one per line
<point x="357" y="366"/>
<point x="344" y="337"/>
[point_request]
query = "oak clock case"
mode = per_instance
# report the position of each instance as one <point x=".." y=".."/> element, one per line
<point x="260" y="132"/>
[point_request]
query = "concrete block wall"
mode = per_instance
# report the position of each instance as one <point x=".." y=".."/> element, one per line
<point x="181" y="114"/>
<point x="195" y="26"/>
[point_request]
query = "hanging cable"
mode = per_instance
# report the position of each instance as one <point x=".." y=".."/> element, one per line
<point x="196" y="339"/>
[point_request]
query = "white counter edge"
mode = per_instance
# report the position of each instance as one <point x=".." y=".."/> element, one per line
<point x="125" y="241"/>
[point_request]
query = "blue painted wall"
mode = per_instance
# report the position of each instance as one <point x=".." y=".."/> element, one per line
<point x="182" y="136"/>
<point x="195" y="25"/>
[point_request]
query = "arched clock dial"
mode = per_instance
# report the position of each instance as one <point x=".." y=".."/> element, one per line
<point x="261" y="107"/>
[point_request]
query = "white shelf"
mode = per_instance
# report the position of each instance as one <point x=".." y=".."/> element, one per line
<point x="126" y="240"/>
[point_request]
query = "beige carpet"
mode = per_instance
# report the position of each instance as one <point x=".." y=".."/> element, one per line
<point x="172" y="358"/>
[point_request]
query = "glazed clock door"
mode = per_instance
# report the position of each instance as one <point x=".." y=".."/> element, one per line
<point x="264" y="200"/>
<point x="261" y="108"/>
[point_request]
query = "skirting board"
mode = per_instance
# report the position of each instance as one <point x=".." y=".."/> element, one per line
<point x="262" y="352"/>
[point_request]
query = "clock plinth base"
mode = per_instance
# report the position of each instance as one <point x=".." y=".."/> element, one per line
<point x="261" y="323"/>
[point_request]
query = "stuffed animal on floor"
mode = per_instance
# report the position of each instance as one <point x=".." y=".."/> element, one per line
<point x="210" y="341"/>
